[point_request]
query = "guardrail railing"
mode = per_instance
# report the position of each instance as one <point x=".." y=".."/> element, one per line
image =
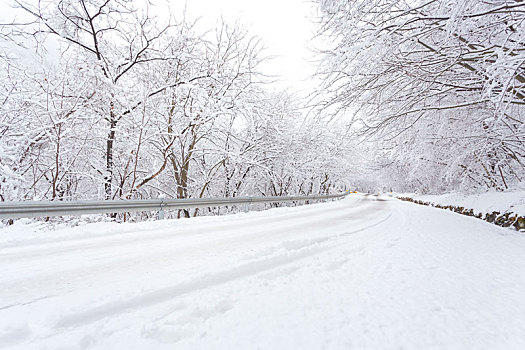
<point x="15" y="210"/>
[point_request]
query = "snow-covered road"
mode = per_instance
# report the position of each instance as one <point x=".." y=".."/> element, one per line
<point x="365" y="272"/>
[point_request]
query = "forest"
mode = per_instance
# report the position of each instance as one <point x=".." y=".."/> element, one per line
<point x="102" y="99"/>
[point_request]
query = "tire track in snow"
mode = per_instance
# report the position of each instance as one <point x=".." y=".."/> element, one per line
<point x="282" y="251"/>
<point x="293" y="255"/>
<point x="104" y="260"/>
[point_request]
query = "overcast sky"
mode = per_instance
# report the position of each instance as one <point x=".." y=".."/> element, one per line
<point x="284" y="25"/>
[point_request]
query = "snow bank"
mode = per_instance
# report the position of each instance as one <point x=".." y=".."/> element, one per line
<point x="488" y="202"/>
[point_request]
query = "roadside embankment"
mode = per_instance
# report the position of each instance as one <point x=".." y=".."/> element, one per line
<point x="506" y="209"/>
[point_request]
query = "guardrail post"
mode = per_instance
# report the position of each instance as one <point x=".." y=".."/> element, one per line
<point x="246" y="206"/>
<point x="161" y="211"/>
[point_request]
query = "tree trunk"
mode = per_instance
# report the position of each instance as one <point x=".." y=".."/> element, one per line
<point x="108" y="178"/>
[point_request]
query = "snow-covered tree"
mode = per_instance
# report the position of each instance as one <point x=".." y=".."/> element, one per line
<point x="101" y="100"/>
<point x="440" y="82"/>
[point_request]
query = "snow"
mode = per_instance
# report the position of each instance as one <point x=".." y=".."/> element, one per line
<point x="512" y="201"/>
<point x="366" y="272"/>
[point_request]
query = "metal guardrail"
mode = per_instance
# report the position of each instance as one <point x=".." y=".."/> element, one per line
<point x="15" y="210"/>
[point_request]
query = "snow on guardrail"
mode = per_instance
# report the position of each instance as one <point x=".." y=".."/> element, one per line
<point x="15" y="210"/>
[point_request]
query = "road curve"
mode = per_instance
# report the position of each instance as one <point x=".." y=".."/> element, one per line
<point x="357" y="272"/>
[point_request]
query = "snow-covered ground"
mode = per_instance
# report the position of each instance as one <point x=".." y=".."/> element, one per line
<point x="365" y="272"/>
<point x="512" y="201"/>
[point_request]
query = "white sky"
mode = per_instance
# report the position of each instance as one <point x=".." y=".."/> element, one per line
<point x="284" y="25"/>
